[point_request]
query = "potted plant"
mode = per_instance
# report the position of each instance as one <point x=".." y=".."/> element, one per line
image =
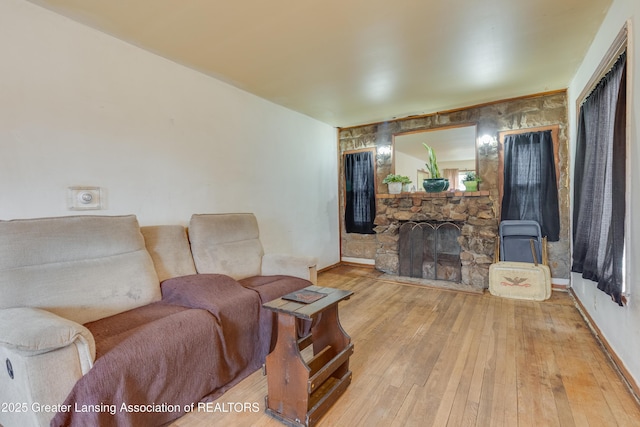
<point x="395" y="182"/>
<point x="436" y="183"/>
<point x="405" y="184"/>
<point x="471" y="181"/>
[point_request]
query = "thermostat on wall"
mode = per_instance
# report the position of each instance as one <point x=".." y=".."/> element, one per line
<point x="82" y="198"/>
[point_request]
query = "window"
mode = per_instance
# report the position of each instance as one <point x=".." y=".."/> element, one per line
<point x="599" y="211"/>
<point x="529" y="171"/>
<point x="360" y="193"/>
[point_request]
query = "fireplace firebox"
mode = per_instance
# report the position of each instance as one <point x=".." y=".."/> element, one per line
<point x="430" y="250"/>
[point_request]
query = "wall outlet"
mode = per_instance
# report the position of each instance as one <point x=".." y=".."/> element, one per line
<point x="84" y="198"/>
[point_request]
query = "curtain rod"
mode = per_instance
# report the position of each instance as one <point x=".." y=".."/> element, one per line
<point x="614" y="52"/>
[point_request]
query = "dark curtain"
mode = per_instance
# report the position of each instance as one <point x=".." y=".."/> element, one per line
<point x="599" y="184"/>
<point x="360" y="208"/>
<point x="530" y="190"/>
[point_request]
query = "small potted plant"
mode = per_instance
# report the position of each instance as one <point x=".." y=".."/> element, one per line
<point x="405" y="184"/>
<point x="436" y="183"/>
<point x="471" y="181"/>
<point x="395" y="182"/>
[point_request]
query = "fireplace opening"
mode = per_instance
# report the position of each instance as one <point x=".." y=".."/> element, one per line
<point x="430" y="250"/>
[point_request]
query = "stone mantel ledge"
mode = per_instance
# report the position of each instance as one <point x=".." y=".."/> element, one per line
<point x="442" y="194"/>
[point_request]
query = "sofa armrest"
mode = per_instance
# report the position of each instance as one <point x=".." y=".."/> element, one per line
<point x="43" y="355"/>
<point x="31" y="331"/>
<point x="290" y="265"/>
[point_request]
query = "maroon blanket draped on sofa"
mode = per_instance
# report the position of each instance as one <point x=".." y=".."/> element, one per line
<point x="203" y="337"/>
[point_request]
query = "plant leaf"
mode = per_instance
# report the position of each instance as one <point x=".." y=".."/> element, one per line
<point x="432" y="165"/>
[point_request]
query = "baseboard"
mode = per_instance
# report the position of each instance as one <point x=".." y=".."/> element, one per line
<point x="349" y="263"/>
<point x="624" y="373"/>
<point x="360" y="262"/>
<point x="329" y="267"/>
<point x="560" y="284"/>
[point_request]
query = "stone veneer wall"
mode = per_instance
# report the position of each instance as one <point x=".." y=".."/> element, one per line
<point x="522" y="113"/>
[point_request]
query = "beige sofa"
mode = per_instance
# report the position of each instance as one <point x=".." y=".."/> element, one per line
<point x="60" y="276"/>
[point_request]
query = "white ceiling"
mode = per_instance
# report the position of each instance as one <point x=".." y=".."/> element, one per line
<point x="348" y="62"/>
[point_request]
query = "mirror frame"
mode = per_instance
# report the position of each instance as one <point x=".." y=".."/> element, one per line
<point x="435" y="129"/>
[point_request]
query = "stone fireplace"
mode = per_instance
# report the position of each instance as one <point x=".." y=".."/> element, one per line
<point x="464" y="261"/>
<point x="545" y="109"/>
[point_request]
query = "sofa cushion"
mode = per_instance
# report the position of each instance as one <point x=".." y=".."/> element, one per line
<point x="169" y="248"/>
<point x="272" y="287"/>
<point x="82" y="268"/>
<point x="226" y="244"/>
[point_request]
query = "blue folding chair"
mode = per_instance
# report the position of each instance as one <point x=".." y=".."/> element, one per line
<point x="515" y="241"/>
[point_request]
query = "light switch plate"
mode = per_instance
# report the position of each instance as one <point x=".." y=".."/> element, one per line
<point x="84" y="198"/>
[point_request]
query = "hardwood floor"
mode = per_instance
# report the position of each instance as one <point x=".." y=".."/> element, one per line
<point x="430" y="357"/>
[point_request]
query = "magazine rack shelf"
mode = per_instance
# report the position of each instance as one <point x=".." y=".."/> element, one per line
<point x="301" y="391"/>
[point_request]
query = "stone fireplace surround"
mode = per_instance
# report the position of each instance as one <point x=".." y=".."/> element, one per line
<point x="545" y="109"/>
<point x="475" y="210"/>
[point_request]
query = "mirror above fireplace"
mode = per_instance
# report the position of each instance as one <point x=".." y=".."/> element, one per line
<point x="455" y="148"/>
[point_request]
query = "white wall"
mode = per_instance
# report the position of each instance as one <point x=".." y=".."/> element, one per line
<point x="78" y="107"/>
<point x="619" y="325"/>
<point x="408" y="166"/>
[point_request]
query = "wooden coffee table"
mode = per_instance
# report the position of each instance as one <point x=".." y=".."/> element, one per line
<point x="299" y="391"/>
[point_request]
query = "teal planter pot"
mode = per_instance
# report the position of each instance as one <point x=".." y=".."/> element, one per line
<point x="435" y="185"/>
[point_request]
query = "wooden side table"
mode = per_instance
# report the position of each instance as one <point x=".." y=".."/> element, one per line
<point x="299" y="391"/>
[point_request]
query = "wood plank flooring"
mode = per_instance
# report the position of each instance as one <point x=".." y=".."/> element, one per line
<point x="431" y="357"/>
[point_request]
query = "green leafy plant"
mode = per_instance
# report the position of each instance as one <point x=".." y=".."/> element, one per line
<point x="396" y="178"/>
<point x="471" y="176"/>
<point x="432" y="163"/>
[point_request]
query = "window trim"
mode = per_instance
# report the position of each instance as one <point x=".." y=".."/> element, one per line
<point x="618" y="46"/>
